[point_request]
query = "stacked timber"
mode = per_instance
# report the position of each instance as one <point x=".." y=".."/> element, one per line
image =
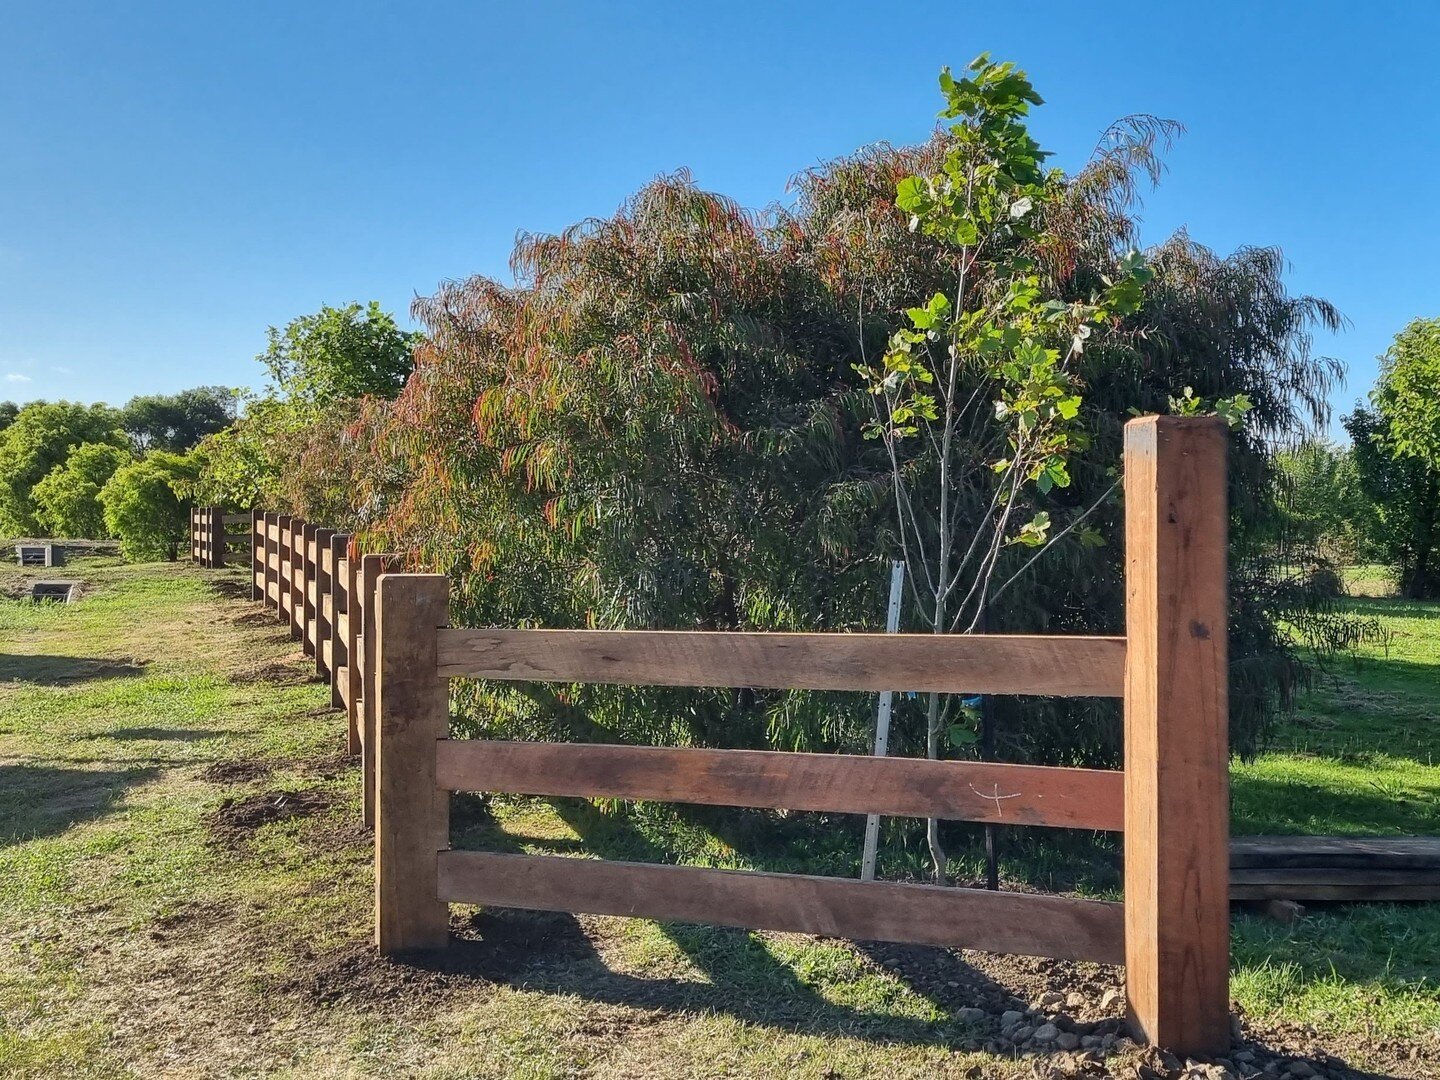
<point x="1335" y="868"/>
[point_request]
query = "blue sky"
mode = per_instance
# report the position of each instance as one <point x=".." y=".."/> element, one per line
<point x="176" y="177"/>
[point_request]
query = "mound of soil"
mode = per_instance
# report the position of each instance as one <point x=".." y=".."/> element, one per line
<point x="277" y="673"/>
<point x="237" y="818"/>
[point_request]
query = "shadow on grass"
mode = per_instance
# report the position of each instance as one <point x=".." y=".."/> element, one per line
<point x="1291" y="806"/>
<point x="1390" y="606"/>
<point x="552" y="952"/>
<point x="157" y="734"/>
<point x="38" y="801"/>
<point x="48" y="670"/>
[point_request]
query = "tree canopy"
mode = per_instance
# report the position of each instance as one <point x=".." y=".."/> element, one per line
<point x="40" y="439"/>
<point x="67" y="499"/>
<point x="1407" y="394"/>
<point x="176" y="422"/>
<point x="339" y="353"/>
<point x="147" y="506"/>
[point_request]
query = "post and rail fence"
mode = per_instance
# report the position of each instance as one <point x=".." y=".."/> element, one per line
<point x="213" y="536"/>
<point x="384" y="640"/>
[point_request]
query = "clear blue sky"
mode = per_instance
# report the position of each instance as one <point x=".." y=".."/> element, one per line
<point x="176" y="177"/>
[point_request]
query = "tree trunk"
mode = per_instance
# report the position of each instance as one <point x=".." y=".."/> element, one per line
<point x="932" y="825"/>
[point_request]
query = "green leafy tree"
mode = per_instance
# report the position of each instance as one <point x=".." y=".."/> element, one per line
<point x="67" y="499"/>
<point x="1398" y="518"/>
<point x="147" y="507"/>
<point x="1407" y="394"/>
<point x="339" y="353"/>
<point x="658" y="424"/>
<point x="8" y="411"/>
<point x="283" y="451"/>
<point x="176" y="422"/>
<point x="40" y="439"/>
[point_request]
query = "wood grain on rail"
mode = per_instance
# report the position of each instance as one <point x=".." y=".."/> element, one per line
<point x="837" y="783"/>
<point x="1028" y="923"/>
<point x="1073" y="666"/>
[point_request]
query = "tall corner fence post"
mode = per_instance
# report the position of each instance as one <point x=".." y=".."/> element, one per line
<point x="412" y="815"/>
<point x="1177" y="914"/>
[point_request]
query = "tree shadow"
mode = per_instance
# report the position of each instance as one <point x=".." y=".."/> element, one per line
<point x="1392" y="606"/>
<point x="156" y="734"/>
<point x="1262" y="805"/>
<point x="38" y="801"/>
<point x="51" y="670"/>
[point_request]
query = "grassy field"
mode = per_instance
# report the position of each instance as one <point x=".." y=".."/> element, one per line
<point x="184" y="890"/>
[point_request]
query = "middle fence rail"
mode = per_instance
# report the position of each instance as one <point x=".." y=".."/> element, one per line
<point x="384" y="641"/>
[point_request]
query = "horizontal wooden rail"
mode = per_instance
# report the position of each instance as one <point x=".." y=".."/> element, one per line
<point x="1026" y="923"/>
<point x="838" y="783"/>
<point x="1072" y="666"/>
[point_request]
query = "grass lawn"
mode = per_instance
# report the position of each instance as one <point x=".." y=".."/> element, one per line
<point x="1362" y="756"/>
<point x="184" y="890"/>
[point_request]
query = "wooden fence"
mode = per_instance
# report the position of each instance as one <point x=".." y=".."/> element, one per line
<point x="384" y="638"/>
<point x="315" y="582"/>
<point x="213" y="535"/>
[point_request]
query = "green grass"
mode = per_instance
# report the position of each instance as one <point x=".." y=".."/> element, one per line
<point x="135" y="940"/>
<point x="1361" y="757"/>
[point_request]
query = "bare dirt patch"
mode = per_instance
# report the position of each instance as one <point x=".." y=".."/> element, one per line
<point x="230" y="590"/>
<point x="276" y="673"/>
<point x="237" y="818"/>
<point x="239" y="771"/>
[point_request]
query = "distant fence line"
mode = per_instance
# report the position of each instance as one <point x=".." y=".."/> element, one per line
<point x="213" y="540"/>
<point x="384" y="640"/>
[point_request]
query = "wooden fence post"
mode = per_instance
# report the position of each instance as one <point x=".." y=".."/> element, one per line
<point x="371" y="567"/>
<point x="194" y="534"/>
<point x="354" y="662"/>
<point x="257" y="554"/>
<point x="217" y="537"/>
<point x="1177" y="910"/>
<point x="335" y="622"/>
<point x="307" y="589"/>
<point x="272" y="559"/>
<point x="412" y="815"/>
<point x="320" y="593"/>
<point x="295" y="576"/>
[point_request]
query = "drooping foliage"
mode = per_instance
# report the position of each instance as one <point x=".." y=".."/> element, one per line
<point x="659" y="424"/>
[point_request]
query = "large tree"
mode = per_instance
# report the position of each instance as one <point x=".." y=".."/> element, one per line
<point x="40" y="438"/>
<point x="660" y="425"/>
<point x="67" y="499"/>
<point x="283" y="450"/>
<point x="176" y="422"/>
<point x="146" y="505"/>
<point x="1399" y="516"/>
